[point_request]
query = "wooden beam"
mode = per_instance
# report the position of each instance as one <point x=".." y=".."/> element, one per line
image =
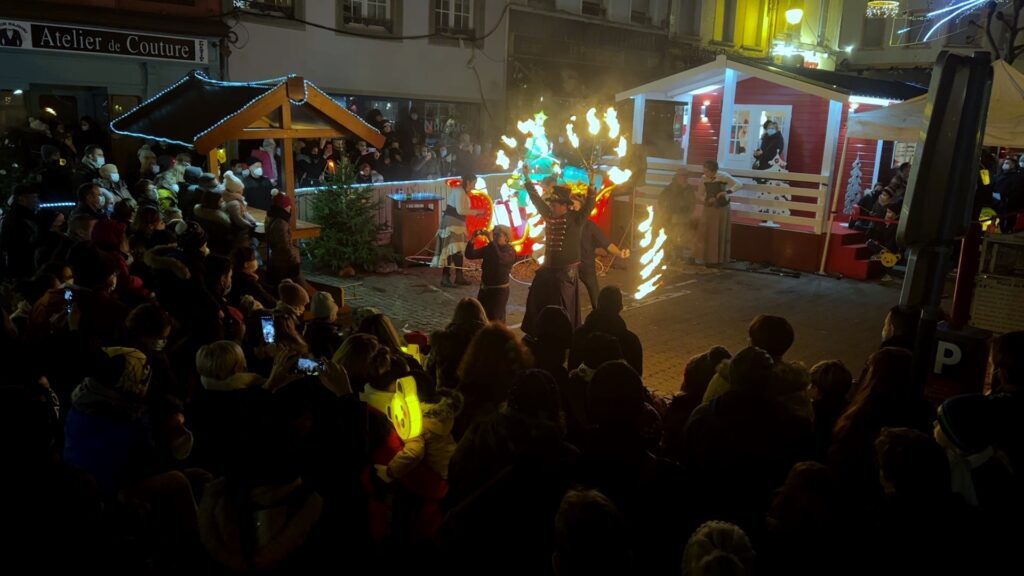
<point x="277" y="133"/>
<point x="347" y="119"/>
<point x="287" y="183"/>
<point x="234" y="126"/>
<point x="214" y="167"/>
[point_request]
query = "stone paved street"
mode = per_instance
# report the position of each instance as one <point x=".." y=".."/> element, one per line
<point x="693" y="310"/>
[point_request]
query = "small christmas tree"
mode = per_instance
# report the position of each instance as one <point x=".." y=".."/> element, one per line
<point x="853" y="188"/>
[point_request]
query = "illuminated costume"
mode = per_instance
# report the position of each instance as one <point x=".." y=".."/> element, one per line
<point x="452" y="236"/>
<point x="557" y="280"/>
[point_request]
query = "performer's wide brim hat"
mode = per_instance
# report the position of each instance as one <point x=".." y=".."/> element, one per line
<point x="559" y="194"/>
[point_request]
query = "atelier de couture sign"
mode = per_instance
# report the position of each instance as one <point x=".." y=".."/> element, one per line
<point x="72" y="38"/>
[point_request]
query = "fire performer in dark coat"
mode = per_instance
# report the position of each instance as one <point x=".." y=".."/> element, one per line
<point x="557" y="280"/>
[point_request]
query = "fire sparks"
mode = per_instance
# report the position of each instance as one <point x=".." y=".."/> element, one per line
<point x="593" y="124"/>
<point x="502" y="160"/>
<point x="611" y="118"/>
<point x="571" y="135"/>
<point x="652" y="257"/>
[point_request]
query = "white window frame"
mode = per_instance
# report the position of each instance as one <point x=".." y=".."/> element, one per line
<point x="745" y="159"/>
<point x="451" y="15"/>
<point x="364" y="7"/>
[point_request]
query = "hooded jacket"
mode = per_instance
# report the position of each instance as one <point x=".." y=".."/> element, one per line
<point x="236" y="208"/>
<point x="790" y="386"/>
<point x="613" y="325"/>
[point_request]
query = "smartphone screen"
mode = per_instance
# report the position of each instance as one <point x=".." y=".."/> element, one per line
<point x="69" y="299"/>
<point x="309" y="367"/>
<point x="268" y="329"/>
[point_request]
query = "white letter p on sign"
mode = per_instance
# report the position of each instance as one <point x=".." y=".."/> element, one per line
<point x="947" y="354"/>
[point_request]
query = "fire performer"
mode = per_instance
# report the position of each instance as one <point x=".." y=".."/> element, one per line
<point x="557" y="280"/>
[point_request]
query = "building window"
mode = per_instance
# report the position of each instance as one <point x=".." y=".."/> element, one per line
<point x="640" y="12"/>
<point x="726" y="21"/>
<point x="903" y="152"/>
<point x="369" y="13"/>
<point x="453" y="16"/>
<point x="739" y="132"/>
<point x="689" y="18"/>
<point x="592" y="8"/>
<point x="962" y="33"/>
<point x="284" y="8"/>
<point x="873" y="33"/>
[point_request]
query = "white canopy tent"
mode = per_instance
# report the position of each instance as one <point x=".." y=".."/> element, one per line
<point x="904" y="121"/>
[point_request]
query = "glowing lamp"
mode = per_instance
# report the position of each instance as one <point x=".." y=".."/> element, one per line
<point x="795" y="12"/>
<point x="704" y="111"/>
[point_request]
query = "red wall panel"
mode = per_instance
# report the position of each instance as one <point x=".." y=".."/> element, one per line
<point x="807" y="127"/>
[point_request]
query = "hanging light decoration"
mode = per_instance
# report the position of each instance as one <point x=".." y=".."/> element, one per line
<point x="882" y="9"/>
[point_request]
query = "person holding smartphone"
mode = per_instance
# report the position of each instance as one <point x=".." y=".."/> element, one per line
<point x="498" y="258"/>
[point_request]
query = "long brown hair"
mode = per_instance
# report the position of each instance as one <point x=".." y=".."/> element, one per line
<point x="492" y="361"/>
<point x="886" y="392"/>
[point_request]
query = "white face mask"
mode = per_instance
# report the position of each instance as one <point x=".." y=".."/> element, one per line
<point x="156" y="169"/>
<point x="770" y="131"/>
<point x="100" y="161"/>
<point x="115" y="177"/>
<point x="174" y="188"/>
<point x="257" y="172"/>
<point x="1007" y="166"/>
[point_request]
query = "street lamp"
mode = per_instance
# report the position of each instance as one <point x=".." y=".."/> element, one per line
<point x="795" y="12"/>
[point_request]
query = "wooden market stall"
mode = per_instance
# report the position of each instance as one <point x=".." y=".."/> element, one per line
<point x="202" y="114"/>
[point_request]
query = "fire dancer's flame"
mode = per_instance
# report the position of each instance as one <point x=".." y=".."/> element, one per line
<point x="618" y="175"/>
<point x="573" y="138"/>
<point x="502" y="160"/>
<point x="593" y="124"/>
<point x="621" y="149"/>
<point x="527" y="126"/>
<point x="652" y="257"/>
<point x="611" y="118"/>
<point x="509" y="141"/>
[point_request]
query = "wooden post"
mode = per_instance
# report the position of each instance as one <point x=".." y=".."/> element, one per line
<point x="286" y="179"/>
<point x="214" y="161"/>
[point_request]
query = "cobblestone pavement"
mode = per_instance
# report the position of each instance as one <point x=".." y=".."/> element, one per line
<point x="693" y="310"/>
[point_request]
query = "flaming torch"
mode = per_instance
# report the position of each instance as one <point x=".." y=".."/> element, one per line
<point x="652" y="257"/>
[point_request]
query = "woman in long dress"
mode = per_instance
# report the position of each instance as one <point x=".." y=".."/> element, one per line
<point x="452" y="236"/>
<point x="715" y="221"/>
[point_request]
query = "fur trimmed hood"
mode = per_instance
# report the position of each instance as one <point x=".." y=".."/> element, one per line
<point x="239" y="381"/>
<point x="162" y="258"/>
<point x="439" y="418"/>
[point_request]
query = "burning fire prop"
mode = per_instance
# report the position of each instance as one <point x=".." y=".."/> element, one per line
<point x="603" y="136"/>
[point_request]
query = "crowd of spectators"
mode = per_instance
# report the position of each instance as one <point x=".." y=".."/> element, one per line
<point x="160" y="416"/>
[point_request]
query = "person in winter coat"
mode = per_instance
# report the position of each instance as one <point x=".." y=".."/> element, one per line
<point x="697" y="374"/>
<point x="88" y="168"/>
<point x="19" y="234"/>
<point x="51" y="235"/>
<point x="607" y="318"/>
<point x="448" y="346"/>
<point x="434" y="447"/>
<point x="109" y="235"/>
<point x="598" y="349"/>
<point x="234" y="204"/>
<point x="323" y="333"/>
<point x="167" y="189"/>
<point x="109" y="181"/>
<point x="259" y="190"/>
<point x="772" y="144"/>
<point x="742" y="444"/>
<point x="210" y="214"/>
<point x="831" y="382"/>
<point x="246" y="280"/>
<point x="492" y="362"/>
<point x="285" y="260"/>
<point x="498" y="258"/>
<point x="90" y="201"/>
<point x="549" y="344"/>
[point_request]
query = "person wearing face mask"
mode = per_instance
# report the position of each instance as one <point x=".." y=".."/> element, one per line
<point x="112" y="187"/>
<point x="147" y="329"/>
<point x="90" y="201"/>
<point x="1009" y="191"/>
<point x="265" y="155"/>
<point x="258" y="188"/>
<point x="88" y="168"/>
<point x="167" y="189"/>
<point x="772" y="145"/>
<point x="89" y="132"/>
<point x="210" y="214"/>
<point x="411" y="132"/>
<point x="145" y="194"/>
<point x="148" y="167"/>
<point x="246" y="280"/>
<point x="19" y="233"/>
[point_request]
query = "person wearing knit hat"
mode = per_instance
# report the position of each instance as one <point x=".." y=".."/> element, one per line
<point x="235" y="204"/>
<point x="293" y="298"/>
<point x="322" y="333"/>
<point x="964" y="427"/>
<point x="281" y="200"/>
<point x="191" y="237"/>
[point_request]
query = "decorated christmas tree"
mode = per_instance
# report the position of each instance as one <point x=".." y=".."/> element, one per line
<point x="853" y="187"/>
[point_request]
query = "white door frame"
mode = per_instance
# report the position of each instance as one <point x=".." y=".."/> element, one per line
<point x="746" y="160"/>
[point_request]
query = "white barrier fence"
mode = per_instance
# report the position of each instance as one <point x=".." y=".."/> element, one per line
<point x="751" y="200"/>
<point x="384" y="191"/>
